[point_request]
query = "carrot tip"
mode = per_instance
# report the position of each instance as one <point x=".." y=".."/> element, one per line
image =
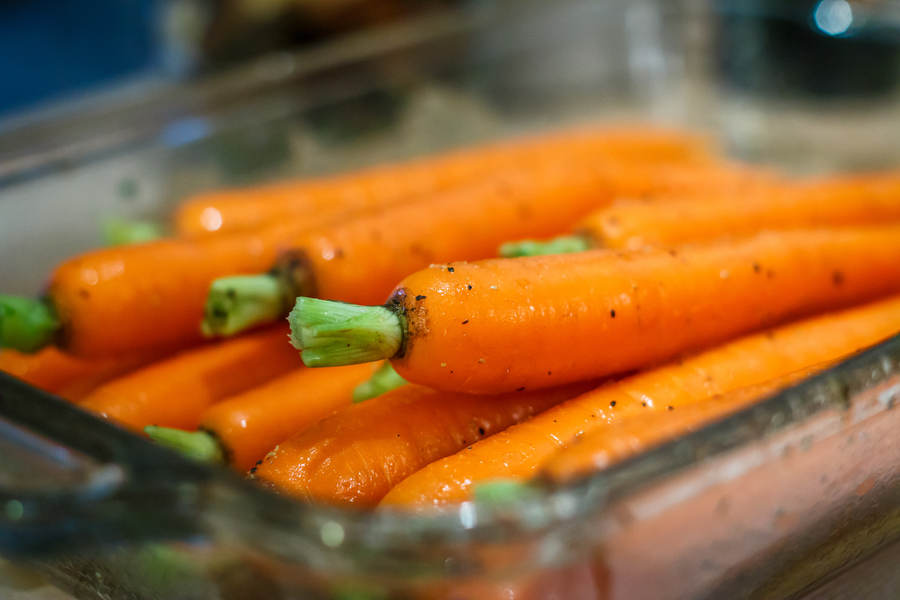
<point x="335" y="333"/>
<point x="242" y="301"/>
<point x="26" y="325"/>
<point x="565" y="244"/>
<point x="382" y="381"/>
<point x="197" y="445"/>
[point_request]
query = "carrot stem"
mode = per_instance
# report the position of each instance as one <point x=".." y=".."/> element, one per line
<point x="242" y="301"/>
<point x="332" y="333"/>
<point x="502" y="491"/>
<point x="564" y="244"/>
<point x="198" y="445"/>
<point x="117" y="232"/>
<point x="383" y="380"/>
<point x="26" y="325"/>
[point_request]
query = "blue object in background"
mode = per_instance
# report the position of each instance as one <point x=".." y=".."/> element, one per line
<point x="54" y="48"/>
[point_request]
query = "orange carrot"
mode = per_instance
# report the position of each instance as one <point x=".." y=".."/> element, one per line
<point x="841" y="201"/>
<point x="628" y="436"/>
<point x="377" y="187"/>
<point x="174" y="392"/>
<point x="67" y="376"/>
<point x="360" y="260"/>
<point x="521" y="450"/>
<point x="354" y="456"/>
<point x="505" y="324"/>
<point x="241" y="429"/>
<point x="150" y="297"/>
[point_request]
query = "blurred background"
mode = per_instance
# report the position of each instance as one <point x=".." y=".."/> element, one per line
<point x="121" y="108"/>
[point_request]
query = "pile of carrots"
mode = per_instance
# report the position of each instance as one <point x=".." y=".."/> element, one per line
<point x="538" y="308"/>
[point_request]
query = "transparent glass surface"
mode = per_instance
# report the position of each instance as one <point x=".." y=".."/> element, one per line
<point x="797" y="494"/>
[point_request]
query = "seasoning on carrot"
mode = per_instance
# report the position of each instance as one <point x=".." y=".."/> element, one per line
<point x="360" y="260"/>
<point x="382" y="186"/>
<point x="836" y="202"/>
<point x="241" y="429"/>
<point x="382" y="381"/>
<point x="67" y="376"/>
<point x="520" y="451"/>
<point x="356" y="455"/>
<point x="628" y="436"/>
<point x="176" y="391"/>
<point x="505" y="324"/>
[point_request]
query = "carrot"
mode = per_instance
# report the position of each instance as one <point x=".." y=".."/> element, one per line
<point x="174" y="392"/>
<point x="150" y="297"/>
<point x="521" y="450"/>
<point x="67" y="376"/>
<point x="360" y="260"/>
<point x="356" y="455"/>
<point x="143" y="297"/>
<point x="628" y="436"/>
<point x="241" y="429"/>
<point x="377" y="187"/>
<point x="838" y="201"/>
<point x="505" y="324"/>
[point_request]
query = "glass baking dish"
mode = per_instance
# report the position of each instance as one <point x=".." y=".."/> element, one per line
<point x="791" y="497"/>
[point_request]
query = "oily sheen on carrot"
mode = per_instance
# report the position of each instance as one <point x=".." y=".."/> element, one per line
<point x="361" y="260"/>
<point x="839" y="201"/>
<point x="377" y="187"/>
<point x="520" y="451"/>
<point x="625" y="437"/>
<point x="356" y="455"/>
<point x="252" y="423"/>
<point x="68" y="376"/>
<point x="506" y="324"/>
<point x="176" y="391"/>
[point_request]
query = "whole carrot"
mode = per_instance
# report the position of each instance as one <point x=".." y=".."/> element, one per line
<point x="67" y="376"/>
<point x="628" y="436"/>
<point x="241" y="429"/>
<point x="377" y="187"/>
<point x="835" y="202"/>
<point x="506" y="324"/>
<point x="144" y="297"/>
<point x="360" y="260"/>
<point x="356" y="455"/>
<point x="176" y="391"/>
<point x="521" y="450"/>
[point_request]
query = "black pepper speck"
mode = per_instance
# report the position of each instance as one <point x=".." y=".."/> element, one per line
<point x="612" y="313"/>
<point x="420" y="297"/>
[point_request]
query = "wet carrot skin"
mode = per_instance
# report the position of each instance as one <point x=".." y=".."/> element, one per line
<point x="520" y="451"/>
<point x="252" y="423"/>
<point x="354" y="456"/>
<point x="381" y="186"/>
<point x="176" y="391"/>
<point x="500" y="325"/>
<point x="631" y="435"/>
